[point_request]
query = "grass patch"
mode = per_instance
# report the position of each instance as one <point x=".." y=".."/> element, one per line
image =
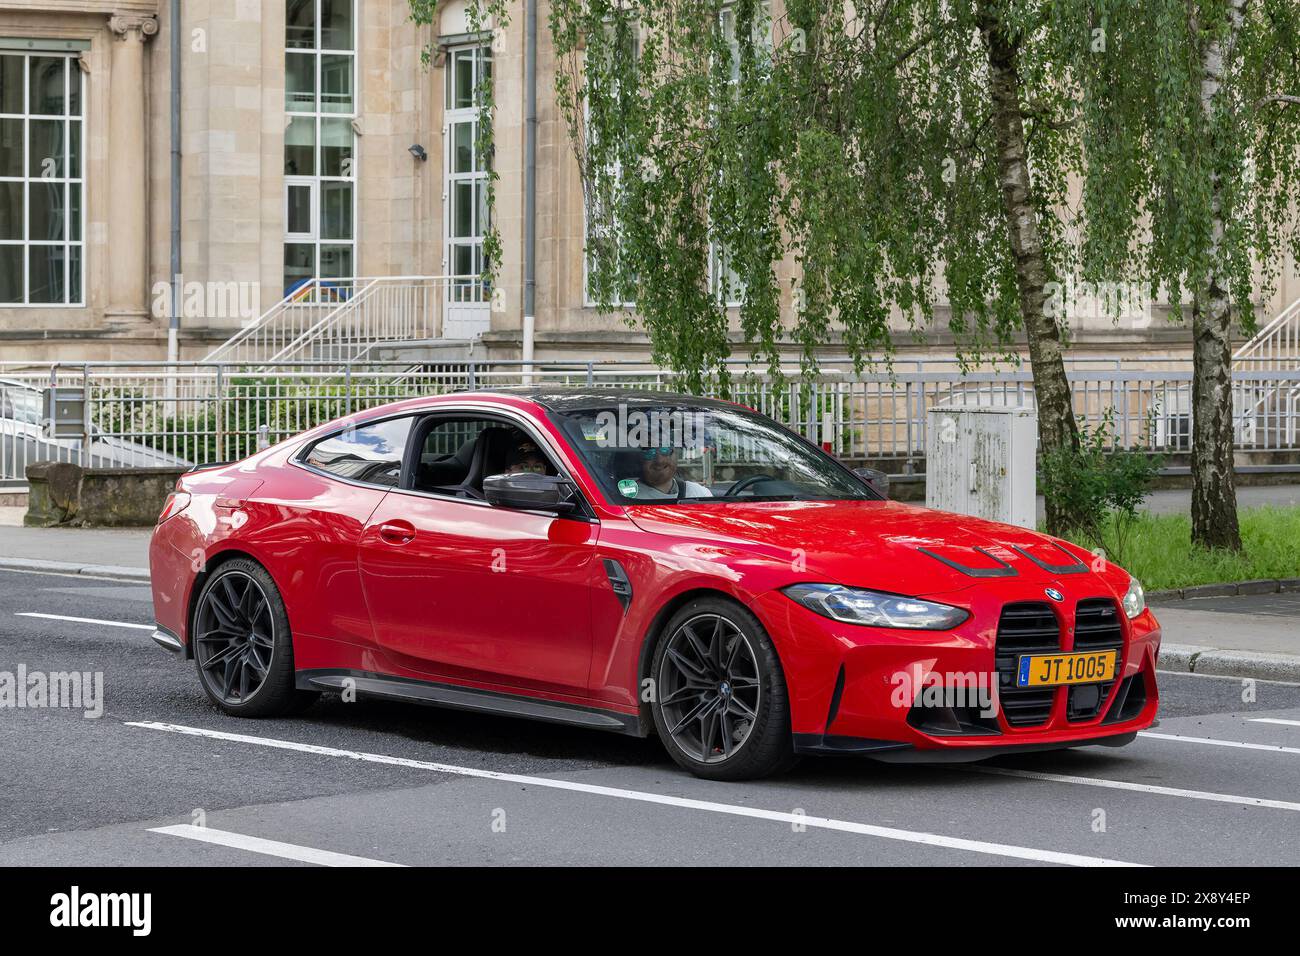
<point x="1159" y="552"/>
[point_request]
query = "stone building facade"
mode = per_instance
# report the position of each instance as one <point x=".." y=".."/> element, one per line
<point x="304" y="124"/>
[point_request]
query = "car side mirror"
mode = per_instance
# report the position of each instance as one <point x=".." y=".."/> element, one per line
<point x="529" y="491"/>
<point x="876" y="480"/>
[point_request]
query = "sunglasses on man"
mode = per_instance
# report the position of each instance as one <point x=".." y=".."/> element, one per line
<point x="650" y="454"/>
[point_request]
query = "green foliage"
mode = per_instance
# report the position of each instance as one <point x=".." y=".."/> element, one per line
<point x="1164" y="166"/>
<point x="1158" y="552"/>
<point x="1098" y="487"/>
<point x="858" y="147"/>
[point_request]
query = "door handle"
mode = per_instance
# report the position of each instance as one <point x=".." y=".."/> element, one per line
<point x="397" y="532"/>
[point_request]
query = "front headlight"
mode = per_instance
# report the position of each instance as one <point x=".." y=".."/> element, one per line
<point x="859" y="606"/>
<point x="1135" y="599"/>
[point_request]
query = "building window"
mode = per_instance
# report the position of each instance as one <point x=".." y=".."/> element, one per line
<point x="760" y="34"/>
<point x="602" y="226"/>
<point x="724" y="282"/>
<point x="320" y="198"/>
<point x="41" y="180"/>
<point x="469" y="69"/>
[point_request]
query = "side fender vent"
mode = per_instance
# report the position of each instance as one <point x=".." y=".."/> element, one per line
<point x="619" y="583"/>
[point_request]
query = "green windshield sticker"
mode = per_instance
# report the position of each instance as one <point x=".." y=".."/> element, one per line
<point x="627" y="488"/>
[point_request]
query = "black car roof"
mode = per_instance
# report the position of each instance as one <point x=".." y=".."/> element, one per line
<point x="575" y="398"/>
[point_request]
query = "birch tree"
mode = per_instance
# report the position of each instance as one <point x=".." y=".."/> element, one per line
<point x="908" y="156"/>
<point x="1192" y="141"/>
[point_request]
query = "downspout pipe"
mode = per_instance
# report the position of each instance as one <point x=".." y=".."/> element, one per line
<point x="530" y="187"/>
<point x="173" y="328"/>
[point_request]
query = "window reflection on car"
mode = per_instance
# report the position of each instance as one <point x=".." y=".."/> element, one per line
<point x="371" y="454"/>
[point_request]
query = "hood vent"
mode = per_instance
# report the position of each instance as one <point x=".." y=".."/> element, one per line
<point x="1003" y="571"/>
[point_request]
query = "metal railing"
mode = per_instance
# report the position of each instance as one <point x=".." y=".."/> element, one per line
<point x="1275" y="346"/>
<point x="339" y="320"/>
<point x="143" y="414"/>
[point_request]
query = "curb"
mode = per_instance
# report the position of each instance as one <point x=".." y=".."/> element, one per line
<point x="1231" y="589"/>
<point x="68" y="567"/>
<point x="1216" y="662"/>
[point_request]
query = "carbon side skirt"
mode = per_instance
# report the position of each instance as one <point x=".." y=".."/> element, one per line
<point x="468" y="698"/>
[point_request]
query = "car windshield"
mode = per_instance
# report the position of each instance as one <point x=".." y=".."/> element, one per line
<point x="691" y="454"/>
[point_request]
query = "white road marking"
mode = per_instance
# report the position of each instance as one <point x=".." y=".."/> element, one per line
<point x="84" y="620"/>
<point x="1273" y="748"/>
<point x="287" y="851"/>
<point x="825" y="823"/>
<point x="1139" y="788"/>
<point x="1275" y="720"/>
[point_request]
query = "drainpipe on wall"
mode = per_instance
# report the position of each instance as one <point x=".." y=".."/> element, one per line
<point x="530" y="187"/>
<point x="173" y="328"/>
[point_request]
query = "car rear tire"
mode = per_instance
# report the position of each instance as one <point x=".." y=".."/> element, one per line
<point x="720" y="703"/>
<point x="243" y="648"/>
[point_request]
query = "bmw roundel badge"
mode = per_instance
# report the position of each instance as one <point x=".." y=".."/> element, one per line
<point x="1054" y="594"/>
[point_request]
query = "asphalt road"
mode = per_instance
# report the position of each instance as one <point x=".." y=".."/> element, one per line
<point x="1213" y="784"/>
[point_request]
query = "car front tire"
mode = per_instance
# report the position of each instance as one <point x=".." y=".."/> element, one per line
<point x="720" y="704"/>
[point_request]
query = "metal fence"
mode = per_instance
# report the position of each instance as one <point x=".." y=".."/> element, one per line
<point x="156" y="414"/>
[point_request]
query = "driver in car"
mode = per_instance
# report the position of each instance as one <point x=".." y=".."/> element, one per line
<point x="659" y="476"/>
<point x="525" y="457"/>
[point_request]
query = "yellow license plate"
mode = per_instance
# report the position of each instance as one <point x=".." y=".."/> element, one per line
<point x="1053" y="670"/>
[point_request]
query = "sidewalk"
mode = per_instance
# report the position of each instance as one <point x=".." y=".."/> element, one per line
<point x="113" y="552"/>
<point x="1241" y="636"/>
<point x="1250" y="635"/>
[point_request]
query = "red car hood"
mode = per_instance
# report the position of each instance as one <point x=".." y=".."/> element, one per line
<point x="880" y="544"/>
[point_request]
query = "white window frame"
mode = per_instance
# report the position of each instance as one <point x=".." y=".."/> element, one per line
<point x="318" y="115"/>
<point x="761" y="32"/>
<point x="464" y="288"/>
<point x="312" y="184"/>
<point x="615" y="169"/>
<point x="724" y="283"/>
<point x="625" y="301"/>
<point x="27" y="179"/>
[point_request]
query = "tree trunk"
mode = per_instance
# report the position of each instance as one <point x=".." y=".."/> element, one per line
<point x="1214" y="493"/>
<point x="1056" y="424"/>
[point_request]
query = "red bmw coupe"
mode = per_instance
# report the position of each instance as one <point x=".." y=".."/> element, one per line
<point x="644" y="563"/>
